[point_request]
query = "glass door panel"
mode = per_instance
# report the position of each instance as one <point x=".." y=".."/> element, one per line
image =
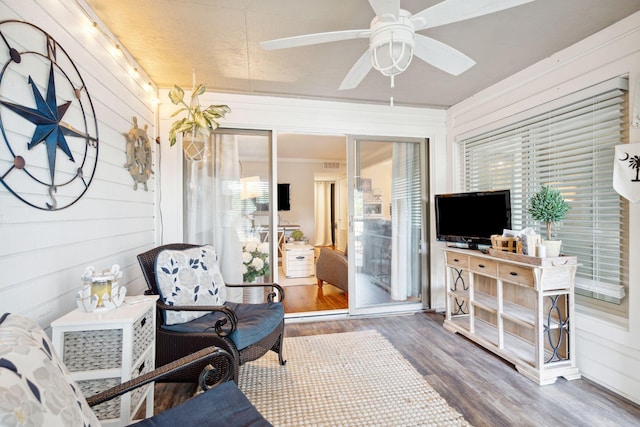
<point x="385" y="240"/>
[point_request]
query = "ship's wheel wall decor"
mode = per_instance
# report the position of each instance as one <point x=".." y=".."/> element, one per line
<point x="49" y="131"/>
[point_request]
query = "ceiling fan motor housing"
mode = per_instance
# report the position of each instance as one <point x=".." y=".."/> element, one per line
<point x="391" y="43"/>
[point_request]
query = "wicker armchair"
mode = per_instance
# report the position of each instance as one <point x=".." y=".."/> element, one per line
<point x="216" y="328"/>
<point x="43" y="392"/>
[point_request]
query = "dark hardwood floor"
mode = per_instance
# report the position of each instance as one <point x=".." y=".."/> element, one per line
<point x="484" y="388"/>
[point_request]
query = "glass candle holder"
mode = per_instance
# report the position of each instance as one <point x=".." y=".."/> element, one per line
<point x="101" y="286"/>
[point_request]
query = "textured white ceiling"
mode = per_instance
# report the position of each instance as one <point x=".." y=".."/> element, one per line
<point x="220" y="40"/>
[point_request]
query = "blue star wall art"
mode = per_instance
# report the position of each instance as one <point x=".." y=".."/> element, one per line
<point x="47" y="120"/>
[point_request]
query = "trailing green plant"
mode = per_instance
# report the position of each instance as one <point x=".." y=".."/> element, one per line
<point x="198" y="121"/>
<point x="548" y="206"/>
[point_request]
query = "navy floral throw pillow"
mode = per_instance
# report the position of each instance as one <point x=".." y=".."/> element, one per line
<point x="189" y="277"/>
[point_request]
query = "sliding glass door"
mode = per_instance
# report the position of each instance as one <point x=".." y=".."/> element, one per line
<point x="387" y="263"/>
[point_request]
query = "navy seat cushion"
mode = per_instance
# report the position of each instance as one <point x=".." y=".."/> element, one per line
<point x="221" y="406"/>
<point x="255" y="322"/>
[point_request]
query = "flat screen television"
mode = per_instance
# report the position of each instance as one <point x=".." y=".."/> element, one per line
<point x="471" y="218"/>
<point x="284" y="201"/>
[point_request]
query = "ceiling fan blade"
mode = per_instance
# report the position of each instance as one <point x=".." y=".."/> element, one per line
<point x="441" y="55"/>
<point x="358" y="72"/>
<point x="458" y="10"/>
<point x="318" y="38"/>
<point x="385" y="7"/>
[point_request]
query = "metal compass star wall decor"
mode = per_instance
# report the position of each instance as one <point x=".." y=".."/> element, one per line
<point x="47" y="120"/>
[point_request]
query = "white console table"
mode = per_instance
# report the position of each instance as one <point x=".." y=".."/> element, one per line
<point x="520" y="308"/>
<point x="105" y="348"/>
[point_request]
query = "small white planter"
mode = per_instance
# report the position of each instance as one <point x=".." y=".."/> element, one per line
<point x="553" y="247"/>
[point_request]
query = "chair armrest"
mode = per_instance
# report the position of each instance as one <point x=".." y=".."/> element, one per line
<point x="168" y="369"/>
<point x="230" y="319"/>
<point x="271" y="285"/>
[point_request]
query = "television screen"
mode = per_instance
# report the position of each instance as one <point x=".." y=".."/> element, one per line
<point x="284" y="202"/>
<point x="471" y="218"/>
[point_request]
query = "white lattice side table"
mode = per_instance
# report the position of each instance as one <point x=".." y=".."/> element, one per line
<point x="104" y="349"/>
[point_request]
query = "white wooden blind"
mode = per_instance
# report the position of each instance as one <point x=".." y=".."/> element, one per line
<point x="570" y="148"/>
<point x="406" y="180"/>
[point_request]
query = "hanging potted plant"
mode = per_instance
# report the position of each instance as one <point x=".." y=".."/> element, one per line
<point x="548" y="206"/>
<point x="198" y="124"/>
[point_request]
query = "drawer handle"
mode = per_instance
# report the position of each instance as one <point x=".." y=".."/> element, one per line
<point x="141" y="368"/>
<point x="513" y="273"/>
<point x="299" y="257"/>
<point x="481" y="265"/>
<point x="456" y="260"/>
<point x="143" y="321"/>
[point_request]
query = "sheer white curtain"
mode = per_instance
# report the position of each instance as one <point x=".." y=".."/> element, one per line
<point x="323" y="213"/>
<point x="405" y="221"/>
<point x="212" y="189"/>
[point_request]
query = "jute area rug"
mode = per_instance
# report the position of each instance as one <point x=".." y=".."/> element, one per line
<point x="347" y="379"/>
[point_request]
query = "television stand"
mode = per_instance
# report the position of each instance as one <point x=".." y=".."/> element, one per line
<point x="519" y="307"/>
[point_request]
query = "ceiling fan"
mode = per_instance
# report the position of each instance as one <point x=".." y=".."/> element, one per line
<point x="393" y="40"/>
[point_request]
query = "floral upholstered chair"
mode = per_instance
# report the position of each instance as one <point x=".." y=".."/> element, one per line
<point x="36" y="388"/>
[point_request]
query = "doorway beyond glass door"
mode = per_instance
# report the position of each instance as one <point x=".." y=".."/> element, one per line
<point x="386" y="264"/>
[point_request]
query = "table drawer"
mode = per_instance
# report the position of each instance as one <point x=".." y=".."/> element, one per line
<point x="457" y="260"/>
<point x="300" y="257"/>
<point x="515" y="274"/>
<point x="307" y="270"/>
<point x="483" y="266"/>
<point x="300" y="261"/>
<point x="105" y="410"/>
<point x="111" y="408"/>
<point x="143" y="334"/>
<point x="145" y="366"/>
<point x="304" y="269"/>
<point x="91" y="350"/>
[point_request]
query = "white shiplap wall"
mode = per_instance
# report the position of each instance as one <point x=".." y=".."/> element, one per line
<point x="42" y="253"/>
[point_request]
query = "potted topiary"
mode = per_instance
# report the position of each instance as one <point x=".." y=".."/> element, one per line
<point x="547" y="205"/>
<point x="198" y="124"/>
<point x="298" y="237"/>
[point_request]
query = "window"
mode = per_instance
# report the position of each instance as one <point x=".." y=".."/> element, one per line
<point x="570" y="147"/>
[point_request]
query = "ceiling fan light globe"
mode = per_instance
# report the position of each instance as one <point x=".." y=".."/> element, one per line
<point x="391" y="45"/>
<point x="393" y="58"/>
